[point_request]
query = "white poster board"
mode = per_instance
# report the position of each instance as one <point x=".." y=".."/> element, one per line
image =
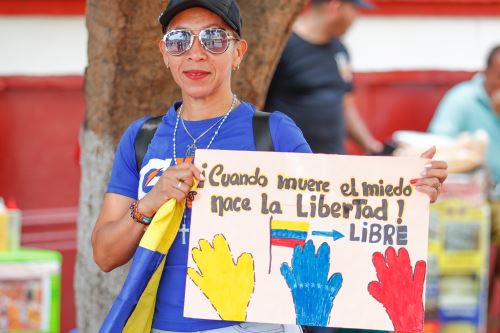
<point x="323" y="240"/>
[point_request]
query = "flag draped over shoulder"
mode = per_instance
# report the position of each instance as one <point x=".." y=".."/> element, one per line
<point x="134" y="307"/>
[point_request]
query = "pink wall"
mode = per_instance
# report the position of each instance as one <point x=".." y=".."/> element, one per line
<point x="39" y="127"/>
<point x="392" y="101"/>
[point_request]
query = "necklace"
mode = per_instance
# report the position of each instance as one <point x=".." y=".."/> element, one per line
<point x="192" y="147"/>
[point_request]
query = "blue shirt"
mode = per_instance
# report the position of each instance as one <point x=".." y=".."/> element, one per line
<point x="235" y="134"/>
<point x="309" y="86"/>
<point x="467" y="108"/>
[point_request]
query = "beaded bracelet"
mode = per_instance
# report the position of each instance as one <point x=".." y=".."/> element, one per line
<point x="138" y="216"/>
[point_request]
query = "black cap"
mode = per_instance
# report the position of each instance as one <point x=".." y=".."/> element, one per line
<point x="228" y="10"/>
<point x="360" y="3"/>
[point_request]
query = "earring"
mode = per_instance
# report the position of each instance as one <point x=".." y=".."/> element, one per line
<point x="237" y="67"/>
<point x="168" y="66"/>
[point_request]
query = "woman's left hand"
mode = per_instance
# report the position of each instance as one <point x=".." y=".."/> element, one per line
<point x="433" y="176"/>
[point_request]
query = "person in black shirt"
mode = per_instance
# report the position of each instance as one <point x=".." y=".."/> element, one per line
<point x="313" y="85"/>
<point x="313" y="81"/>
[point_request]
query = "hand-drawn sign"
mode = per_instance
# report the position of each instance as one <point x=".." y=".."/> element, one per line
<point x="321" y="240"/>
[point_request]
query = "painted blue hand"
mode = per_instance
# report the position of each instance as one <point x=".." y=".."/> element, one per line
<point x="312" y="291"/>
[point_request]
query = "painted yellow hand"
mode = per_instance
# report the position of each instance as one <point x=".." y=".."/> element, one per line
<point x="228" y="286"/>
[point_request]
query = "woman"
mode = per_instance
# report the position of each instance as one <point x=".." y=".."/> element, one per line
<point x="201" y="47"/>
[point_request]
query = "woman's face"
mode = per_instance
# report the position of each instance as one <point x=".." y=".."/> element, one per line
<point x="198" y="72"/>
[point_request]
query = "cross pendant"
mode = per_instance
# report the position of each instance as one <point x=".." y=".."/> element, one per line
<point x="184" y="230"/>
<point x="191" y="149"/>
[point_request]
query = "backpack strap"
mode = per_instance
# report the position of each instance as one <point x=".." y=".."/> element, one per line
<point x="144" y="137"/>
<point x="262" y="132"/>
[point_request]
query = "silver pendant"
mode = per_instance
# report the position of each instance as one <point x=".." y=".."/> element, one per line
<point x="191" y="149"/>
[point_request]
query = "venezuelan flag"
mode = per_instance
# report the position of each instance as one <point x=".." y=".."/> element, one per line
<point x="288" y="233"/>
<point x="133" y="309"/>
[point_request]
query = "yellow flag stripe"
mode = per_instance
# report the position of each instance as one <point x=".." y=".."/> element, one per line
<point x="169" y="213"/>
<point x="141" y="319"/>
<point x="163" y="229"/>
<point x="290" y="225"/>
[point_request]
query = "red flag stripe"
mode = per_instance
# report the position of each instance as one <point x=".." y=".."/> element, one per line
<point x="288" y="242"/>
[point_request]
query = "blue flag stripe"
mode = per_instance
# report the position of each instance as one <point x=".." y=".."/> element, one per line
<point x="143" y="266"/>
<point x="301" y="235"/>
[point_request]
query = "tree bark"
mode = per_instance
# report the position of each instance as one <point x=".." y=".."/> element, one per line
<point x="126" y="79"/>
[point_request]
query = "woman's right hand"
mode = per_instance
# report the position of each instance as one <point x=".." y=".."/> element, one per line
<point x="115" y="236"/>
<point x="175" y="183"/>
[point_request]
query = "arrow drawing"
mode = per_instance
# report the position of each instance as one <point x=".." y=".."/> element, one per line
<point x="334" y="234"/>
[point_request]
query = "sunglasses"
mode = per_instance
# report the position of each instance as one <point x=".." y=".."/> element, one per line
<point x="214" y="40"/>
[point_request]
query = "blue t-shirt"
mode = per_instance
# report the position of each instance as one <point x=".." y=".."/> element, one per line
<point x="309" y="86"/>
<point x="235" y="134"/>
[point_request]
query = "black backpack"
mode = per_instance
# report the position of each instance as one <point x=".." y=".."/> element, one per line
<point x="261" y="134"/>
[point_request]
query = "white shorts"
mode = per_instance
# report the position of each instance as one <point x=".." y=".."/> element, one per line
<point x="247" y="328"/>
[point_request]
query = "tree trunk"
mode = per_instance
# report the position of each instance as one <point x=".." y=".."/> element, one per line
<point x="126" y="79"/>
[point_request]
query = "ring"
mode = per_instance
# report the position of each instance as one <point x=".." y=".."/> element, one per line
<point x="179" y="185"/>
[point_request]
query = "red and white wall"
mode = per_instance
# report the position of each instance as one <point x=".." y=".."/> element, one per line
<point x="42" y="61"/>
<point x="405" y="54"/>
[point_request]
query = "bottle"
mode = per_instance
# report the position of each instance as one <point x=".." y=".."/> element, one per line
<point x="14" y="225"/>
<point x="3" y="226"/>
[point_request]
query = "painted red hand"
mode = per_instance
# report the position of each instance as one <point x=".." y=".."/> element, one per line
<point x="399" y="289"/>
